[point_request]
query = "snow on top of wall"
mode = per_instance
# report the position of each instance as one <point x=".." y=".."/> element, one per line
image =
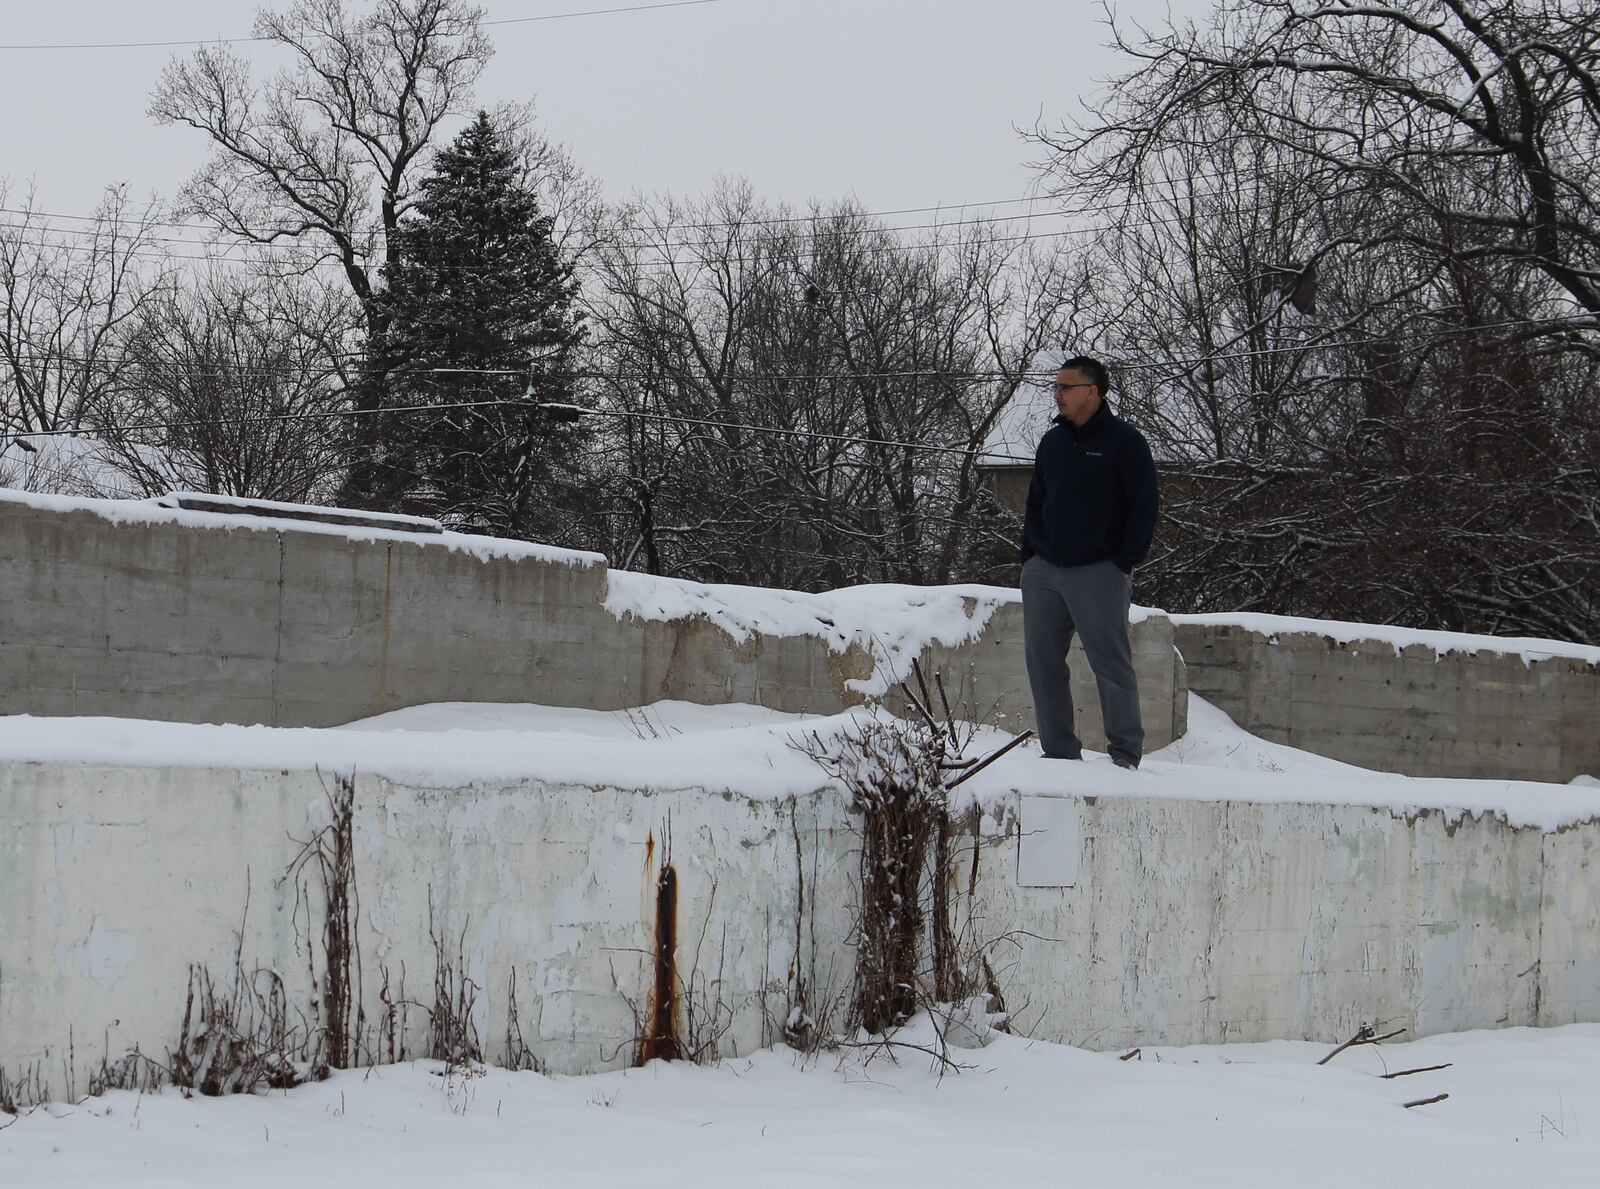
<point x="670" y="745"/>
<point x="1217" y="760"/>
<point x="1274" y="626"/>
<point x="753" y="752"/>
<point x="893" y="622"/>
<point x="155" y="511"/>
<point x="252" y="508"/>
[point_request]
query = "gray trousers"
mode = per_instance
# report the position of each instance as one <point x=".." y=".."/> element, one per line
<point x="1093" y="602"/>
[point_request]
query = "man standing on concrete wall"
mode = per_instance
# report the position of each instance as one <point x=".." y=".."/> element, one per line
<point x="1091" y="515"/>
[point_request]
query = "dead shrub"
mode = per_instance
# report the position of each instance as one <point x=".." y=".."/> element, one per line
<point x="452" y="1035"/>
<point x="899" y="774"/>
<point x="331" y="850"/>
<point x="241" y="1043"/>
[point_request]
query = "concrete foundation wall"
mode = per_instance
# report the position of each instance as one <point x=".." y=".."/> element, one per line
<point x="1484" y="714"/>
<point x="116" y="880"/>
<point x="294" y="628"/>
<point x="1185" y="922"/>
<point x="1203" y="923"/>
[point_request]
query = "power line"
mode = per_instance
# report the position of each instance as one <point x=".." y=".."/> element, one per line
<point x="1286" y="347"/>
<point x="563" y="411"/>
<point x="142" y="45"/>
<point x="650" y="244"/>
<point x="1127" y="201"/>
<point x="665" y="247"/>
<point x="665" y="244"/>
<point x="670" y="225"/>
<point x="557" y="410"/>
<point x="599" y="12"/>
<point x="665" y="259"/>
<point x="775" y="431"/>
<point x="665" y="229"/>
<point x="1099" y="207"/>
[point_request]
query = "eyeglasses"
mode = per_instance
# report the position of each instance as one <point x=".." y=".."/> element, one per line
<point x="1060" y="388"/>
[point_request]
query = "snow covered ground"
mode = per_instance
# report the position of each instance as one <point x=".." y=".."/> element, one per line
<point x="751" y="751"/>
<point x="1523" y="1109"/>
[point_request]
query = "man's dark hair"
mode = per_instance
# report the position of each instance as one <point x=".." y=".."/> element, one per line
<point x="1093" y="370"/>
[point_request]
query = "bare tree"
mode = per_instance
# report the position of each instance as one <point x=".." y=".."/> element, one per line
<point x="571" y="196"/>
<point x="67" y="298"/>
<point x="1358" y="249"/>
<point x="325" y="154"/>
<point x="1484" y="116"/>
<point x="800" y="398"/>
<point x="231" y="384"/>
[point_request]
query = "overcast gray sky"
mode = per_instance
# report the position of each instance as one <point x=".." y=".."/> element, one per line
<point x="904" y="103"/>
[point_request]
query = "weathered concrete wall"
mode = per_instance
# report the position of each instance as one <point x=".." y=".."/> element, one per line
<point x="169" y="621"/>
<point x="1185" y="922"/>
<point x="1202" y="923"/>
<point x="116" y="880"/>
<point x="174" y="621"/>
<point x="1424" y="713"/>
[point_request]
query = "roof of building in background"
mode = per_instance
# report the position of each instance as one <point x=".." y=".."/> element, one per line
<point x="1015" y="435"/>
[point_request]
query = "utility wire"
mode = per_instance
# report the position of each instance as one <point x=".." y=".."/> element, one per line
<point x="671" y="225"/>
<point x="1099" y="207"/>
<point x="563" y="411"/>
<point x="663" y="231"/>
<point x="664" y="244"/>
<point x="599" y="12"/>
<point x="323" y="258"/>
<point x="639" y="245"/>
<point x="558" y="411"/>
<point x="1284" y="347"/>
<point x="665" y="260"/>
<point x="1127" y="201"/>
<point x="142" y="45"/>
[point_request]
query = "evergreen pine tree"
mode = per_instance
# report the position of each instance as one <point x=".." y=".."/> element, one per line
<point x="481" y="308"/>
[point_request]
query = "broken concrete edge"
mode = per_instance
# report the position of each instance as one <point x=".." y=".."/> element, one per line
<point x="227" y="505"/>
<point x="1410" y="643"/>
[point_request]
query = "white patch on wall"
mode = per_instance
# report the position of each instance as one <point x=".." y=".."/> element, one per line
<point x="1048" y="846"/>
<point x="104" y="955"/>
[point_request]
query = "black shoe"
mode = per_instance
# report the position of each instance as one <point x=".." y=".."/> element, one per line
<point x="1050" y="755"/>
<point x="1124" y="762"/>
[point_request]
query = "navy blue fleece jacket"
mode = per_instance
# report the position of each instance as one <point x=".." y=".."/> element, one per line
<point x="1094" y="495"/>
